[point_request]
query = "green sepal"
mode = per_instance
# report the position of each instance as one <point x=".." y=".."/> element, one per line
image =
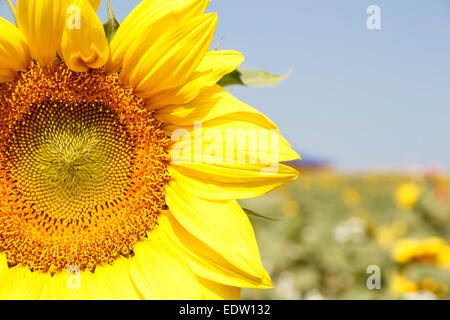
<point x="111" y="24"/>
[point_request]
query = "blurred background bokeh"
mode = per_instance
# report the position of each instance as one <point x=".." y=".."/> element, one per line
<point x="332" y="226"/>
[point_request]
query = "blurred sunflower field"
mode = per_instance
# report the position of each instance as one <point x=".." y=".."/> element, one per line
<point x="326" y="229"/>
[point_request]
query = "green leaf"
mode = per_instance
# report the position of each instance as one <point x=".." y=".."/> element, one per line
<point x="252" y="78"/>
<point x="111" y="24"/>
<point x="253" y="213"/>
<point x="230" y="79"/>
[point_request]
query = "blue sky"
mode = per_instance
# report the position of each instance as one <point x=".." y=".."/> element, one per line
<point x="363" y="99"/>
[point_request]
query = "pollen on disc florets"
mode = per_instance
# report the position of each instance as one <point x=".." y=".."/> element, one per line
<point x="83" y="169"/>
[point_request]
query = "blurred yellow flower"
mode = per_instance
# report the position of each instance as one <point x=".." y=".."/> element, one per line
<point x="388" y="235"/>
<point x="351" y="197"/>
<point x="431" y="285"/>
<point x="407" y="195"/>
<point x="399" y="285"/>
<point x="432" y="250"/>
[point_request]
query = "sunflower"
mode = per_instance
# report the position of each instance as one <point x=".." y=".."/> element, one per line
<point x="117" y="177"/>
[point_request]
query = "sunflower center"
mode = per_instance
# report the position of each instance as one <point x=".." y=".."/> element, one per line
<point x="83" y="169"/>
<point x="68" y="160"/>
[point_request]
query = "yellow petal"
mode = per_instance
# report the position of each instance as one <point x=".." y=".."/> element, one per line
<point x="214" y="262"/>
<point x="49" y="291"/>
<point x="159" y="272"/>
<point x="225" y="182"/>
<point x="117" y="283"/>
<point x="222" y="226"/>
<point x="14" y="52"/>
<point x="95" y="4"/>
<point x="156" y="271"/>
<point x="172" y="59"/>
<point x="239" y="143"/>
<point x="155" y="274"/>
<point x="211" y="69"/>
<point x="147" y="23"/>
<point x="7" y="75"/>
<point x="42" y="23"/>
<point x="213" y="103"/>
<point x="221" y="116"/>
<point x="107" y="282"/>
<point x="217" y="114"/>
<point x="20" y="283"/>
<point x="63" y="288"/>
<point x="84" y="44"/>
<point x="3" y="264"/>
<point x="217" y="291"/>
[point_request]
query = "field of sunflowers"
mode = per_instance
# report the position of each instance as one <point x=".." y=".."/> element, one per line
<point x="327" y="229"/>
